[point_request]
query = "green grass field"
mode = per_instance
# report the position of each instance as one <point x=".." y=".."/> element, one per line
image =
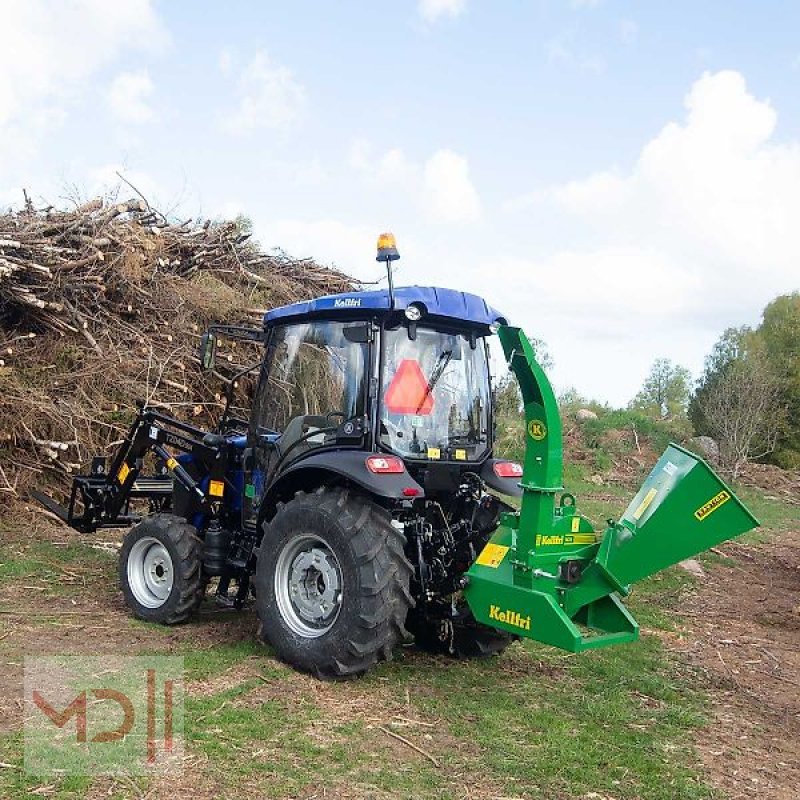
<point x="535" y="723"/>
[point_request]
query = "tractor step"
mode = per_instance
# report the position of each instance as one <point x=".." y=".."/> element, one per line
<point x="146" y="487"/>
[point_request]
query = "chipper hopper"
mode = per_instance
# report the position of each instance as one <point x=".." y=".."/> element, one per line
<point x="546" y="575"/>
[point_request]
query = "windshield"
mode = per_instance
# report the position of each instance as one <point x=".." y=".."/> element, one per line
<point x="315" y="370"/>
<point x="435" y="395"/>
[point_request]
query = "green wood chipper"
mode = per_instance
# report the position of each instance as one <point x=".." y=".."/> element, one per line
<point x="547" y="575"/>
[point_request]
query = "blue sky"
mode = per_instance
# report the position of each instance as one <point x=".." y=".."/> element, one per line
<point x="622" y="178"/>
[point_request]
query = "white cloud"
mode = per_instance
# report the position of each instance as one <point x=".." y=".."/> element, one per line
<point x="106" y="178"/>
<point x="49" y="48"/>
<point x="700" y="233"/>
<point x="50" y="53"/>
<point x="440" y="187"/>
<point x="129" y="95"/>
<point x="310" y="173"/>
<point x="449" y="193"/>
<point x="269" y="97"/>
<point x="714" y="186"/>
<point x="394" y="167"/>
<point x="329" y="241"/>
<point x="433" y="10"/>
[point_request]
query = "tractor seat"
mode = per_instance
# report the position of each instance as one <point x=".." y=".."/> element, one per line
<point x="299" y="427"/>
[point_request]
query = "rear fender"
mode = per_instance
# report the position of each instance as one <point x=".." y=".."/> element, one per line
<point x="339" y="466"/>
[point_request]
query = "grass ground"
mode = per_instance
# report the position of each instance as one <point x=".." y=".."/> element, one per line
<point x="620" y="723"/>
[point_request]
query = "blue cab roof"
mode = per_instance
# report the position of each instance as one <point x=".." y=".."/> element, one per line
<point x="446" y="303"/>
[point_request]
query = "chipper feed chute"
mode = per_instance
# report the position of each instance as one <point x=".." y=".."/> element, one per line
<point x="546" y="575"/>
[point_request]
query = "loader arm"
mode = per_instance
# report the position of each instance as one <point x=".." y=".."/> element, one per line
<point x="546" y="574"/>
<point x="102" y="498"/>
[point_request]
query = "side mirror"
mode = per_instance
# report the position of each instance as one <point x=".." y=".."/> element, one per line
<point x="208" y="351"/>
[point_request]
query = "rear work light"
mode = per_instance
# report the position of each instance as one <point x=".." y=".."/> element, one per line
<point x="382" y="465"/>
<point x="508" y="469"/>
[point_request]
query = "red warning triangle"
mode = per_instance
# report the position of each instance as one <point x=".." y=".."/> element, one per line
<point x="408" y="391"/>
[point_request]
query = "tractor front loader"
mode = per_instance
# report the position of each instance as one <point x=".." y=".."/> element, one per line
<point x="361" y="504"/>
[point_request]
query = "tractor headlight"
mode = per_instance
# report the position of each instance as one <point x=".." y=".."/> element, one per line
<point x="413" y="313"/>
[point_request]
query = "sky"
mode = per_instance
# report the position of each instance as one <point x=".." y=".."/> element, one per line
<point x="621" y="179"/>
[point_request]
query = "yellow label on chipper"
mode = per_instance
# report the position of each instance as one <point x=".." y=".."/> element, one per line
<point x="461" y="455"/>
<point x="712" y="505"/>
<point x="216" y="488"/>
<point x="648" y="498"/>
<point x="172" y="463"/>
<point x="492" y="555"/>
<point x="123" y="473"/>
<point x="581" y="538"/>
<point x="576" y="524"/>
<point x="434" y="452"/>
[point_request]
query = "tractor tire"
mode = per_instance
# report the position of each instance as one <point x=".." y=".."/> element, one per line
<point x="332" y="583"/>
<point x="464" y="638"/>
<point x="160" y="570"/>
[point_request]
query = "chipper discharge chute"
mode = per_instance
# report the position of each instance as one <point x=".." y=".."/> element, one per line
<point x="546" y="574"/>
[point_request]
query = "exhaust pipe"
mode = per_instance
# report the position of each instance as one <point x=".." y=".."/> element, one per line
<point x="546" y="575"/>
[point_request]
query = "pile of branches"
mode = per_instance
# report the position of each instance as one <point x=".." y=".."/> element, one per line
<point x="103" y="305"/>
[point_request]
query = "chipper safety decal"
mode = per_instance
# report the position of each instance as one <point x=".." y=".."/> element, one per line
<point x="492" y="555"/>
<point x="712" y="505"/>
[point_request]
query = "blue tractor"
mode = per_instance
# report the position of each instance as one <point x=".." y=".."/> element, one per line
<point x="352" y="501"/>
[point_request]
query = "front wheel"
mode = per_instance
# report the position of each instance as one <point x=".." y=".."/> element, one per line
<point x="332" y="583"/>
<point x="160" y="570"/>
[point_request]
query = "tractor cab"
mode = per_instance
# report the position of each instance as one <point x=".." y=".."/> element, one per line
<point x="401" y="373"/>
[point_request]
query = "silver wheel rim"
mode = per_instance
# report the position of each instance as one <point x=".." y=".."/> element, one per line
<point x="150" y="572"/>
<point x="308" y="586"/>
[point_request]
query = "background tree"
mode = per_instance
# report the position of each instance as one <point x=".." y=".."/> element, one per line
<point x="728" y="348"/>
<point x="739" y="399"/>
<point x="780" y="332"/>
<point x="665" y="391"/>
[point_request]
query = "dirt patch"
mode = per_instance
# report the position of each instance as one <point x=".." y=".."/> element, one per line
<point x="82" y="612"/>
<point x="775" y="483"/>
<point x="742" y="629"/>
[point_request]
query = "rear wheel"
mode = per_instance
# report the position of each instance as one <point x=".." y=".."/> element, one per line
<point x="159" y="569"/>
<point x="332" y="583"/>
